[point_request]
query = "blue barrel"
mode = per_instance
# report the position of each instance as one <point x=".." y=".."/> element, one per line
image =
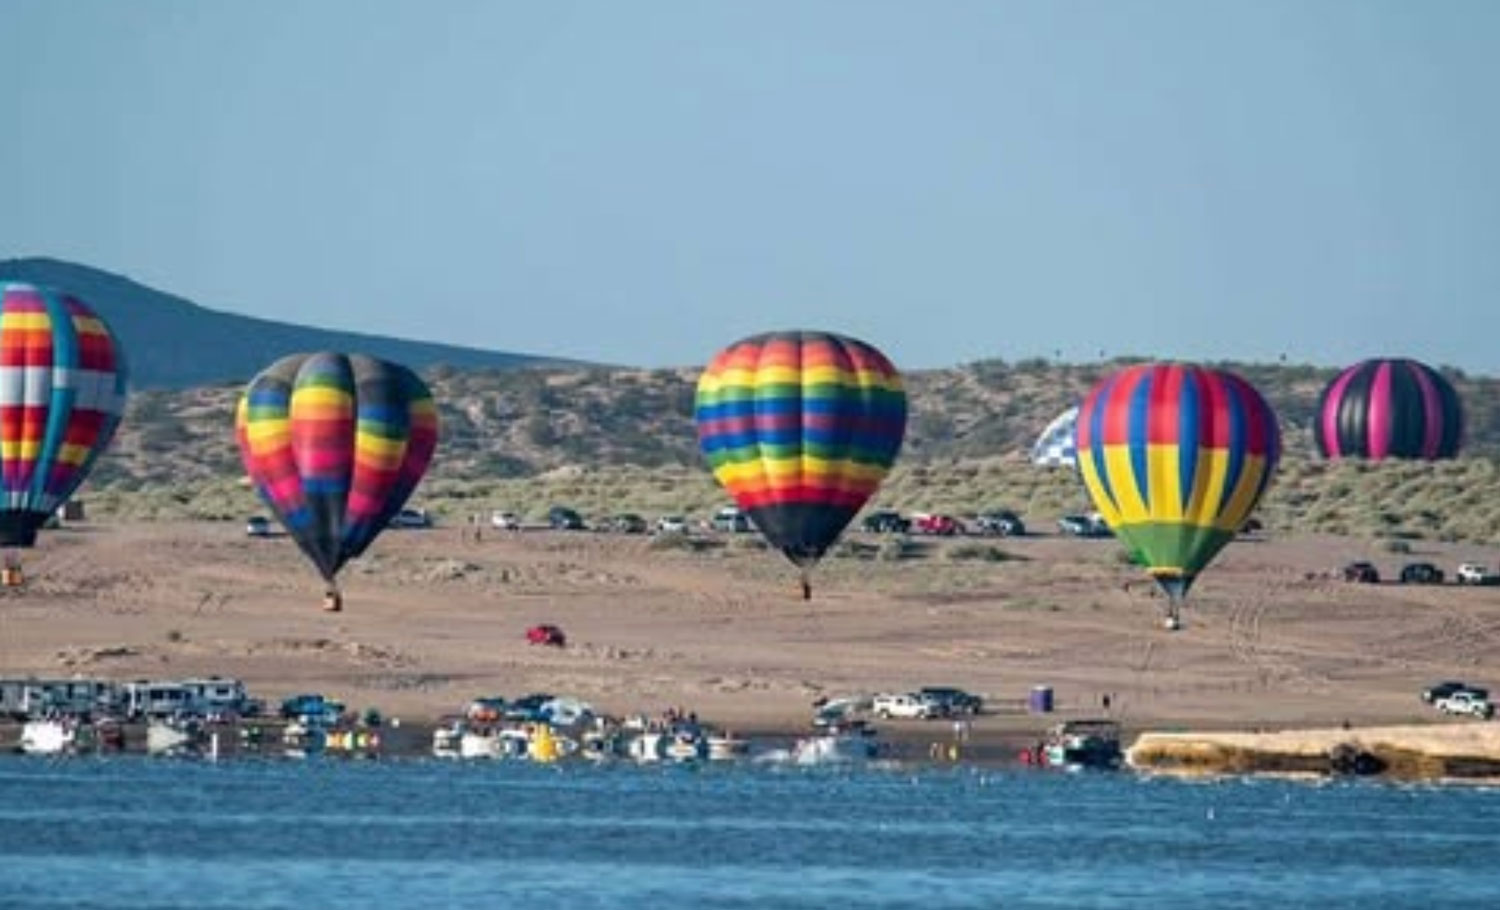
<point x="1040" y="701"/>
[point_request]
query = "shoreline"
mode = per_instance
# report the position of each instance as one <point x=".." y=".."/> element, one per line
<point x="1461" y="752"/>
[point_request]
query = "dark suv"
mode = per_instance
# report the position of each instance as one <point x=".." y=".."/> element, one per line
<point x="1421" y="573"/>
<point x="1439" y="691"/>
<point x="952" y="701"/>
<point x="885" y="523"/>
<point x="1362" y="572"/>
<point x="562" y="518"/>
<point x="1001" y="523"/>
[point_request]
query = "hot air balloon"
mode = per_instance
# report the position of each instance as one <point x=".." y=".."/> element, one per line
<point x="1176" y="457"/>
<point x="1057" y="447"/>
<point x="1389" y="409"/>
<point x="800" y="428"/>
<point x="62" y="392"/>
<point x="335" y="444"/>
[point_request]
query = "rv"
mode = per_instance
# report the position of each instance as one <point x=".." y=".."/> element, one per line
<point x="217" y="696"/>
<point x="157" y="699"/>
<point x="37" y="698"/>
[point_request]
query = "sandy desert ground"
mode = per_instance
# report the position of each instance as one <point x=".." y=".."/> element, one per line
<point x="434" y="619"/>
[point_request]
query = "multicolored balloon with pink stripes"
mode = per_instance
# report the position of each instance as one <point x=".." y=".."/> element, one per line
<point x="62" y="393"/>
<point x="1389" y="408"/>
<point x="335" y="444"/>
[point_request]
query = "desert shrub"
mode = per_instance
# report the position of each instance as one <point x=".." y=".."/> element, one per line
<point x="977" y="552"/>
<point x="894" y="549"/>
<point x="854" y="549"/>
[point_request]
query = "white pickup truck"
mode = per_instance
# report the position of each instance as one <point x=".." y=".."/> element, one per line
<point x="1472" y="573"/>
<point x="1466" y="702"/>
<point x="909" y="706"/>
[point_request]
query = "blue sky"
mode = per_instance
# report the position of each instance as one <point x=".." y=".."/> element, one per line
<point x="646" y="182"/>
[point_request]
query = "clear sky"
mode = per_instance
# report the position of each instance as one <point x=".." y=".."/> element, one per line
<point x="645" y="182"/>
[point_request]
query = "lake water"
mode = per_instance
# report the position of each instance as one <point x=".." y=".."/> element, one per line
<point x="135" y="832"/>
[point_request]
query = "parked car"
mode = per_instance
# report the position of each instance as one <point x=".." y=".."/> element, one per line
<point x="885" y="522"/>
<point x="303" y="705"/>
<point x="1472" y="573"/>
<point x="562" y="518"/>
<point x="546" y="634"/>
<point x="1252" y="526"/>
<point x="671" y="524"/>
<point x="527" y="707"/>
<point x="1000" y="523"/>
<point x="258" y="526"/>
<point x="505" y="521"/>
<point x="952" y="701"/>
<point x="909" y="706"/>
<point x="411" y="518"/>
<point x="1083" y="526"/>
<point x="1421" y="573"/>
<point x="730" y="520"/>
<point x="1439" y="691"/>
<point x="937" y="524"/>
<point x="626" y="523"/>
<point x="1465" y="702"/>
<point x="1362" y="572"/>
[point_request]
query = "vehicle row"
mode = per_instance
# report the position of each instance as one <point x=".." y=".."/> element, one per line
<point x="1421" y="573"/>
<point x="210" y="697"/>
<point x="927" y="703"/>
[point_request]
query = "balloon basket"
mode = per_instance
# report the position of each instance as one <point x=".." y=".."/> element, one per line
<point x="1171" y="624"/>
<point x="333" y="602"/>
<point x="11" y="577"/>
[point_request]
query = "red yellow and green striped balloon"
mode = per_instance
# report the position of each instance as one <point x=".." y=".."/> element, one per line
<point x="800" y="428"/>
<point x="62" y="392"/>
<point x="335" y="444"/>
<point x="1176" y="457"/>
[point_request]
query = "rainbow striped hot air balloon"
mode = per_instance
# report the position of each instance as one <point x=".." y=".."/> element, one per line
<point x="800" y="428"/>
<point x="1176" y="457"/>
<point x="62" y="392"/>
<point x="335" y="444"/>
<point x="1381" y="409"/>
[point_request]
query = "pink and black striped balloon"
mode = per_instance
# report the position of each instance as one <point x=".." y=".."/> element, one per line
<point x="1389" y="409"/>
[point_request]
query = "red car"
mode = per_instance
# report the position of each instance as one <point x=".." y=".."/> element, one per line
<point x="546" y="635"/>
<point x="941" y="525"/>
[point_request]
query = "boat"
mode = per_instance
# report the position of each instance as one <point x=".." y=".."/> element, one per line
<point x="355" y="742"/>
<point x="65" y="736"/>
<point x="727" y="747"/>
<point x="493" y="742"/>
<point x="685" y="744"/>
<point x="174" y="737"/>
<point x="1076" y="745"/>
<point x="446" y="740"/>
<point x="852" y="741"/>
<point x="303" y="740"/>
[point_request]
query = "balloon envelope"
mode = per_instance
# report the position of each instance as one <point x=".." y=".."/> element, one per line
<point x="800" y="428"/>
<point x="335" y="444"/>
<point x="1057" y="447"/>
<point x="62" y="393"/>
<point x="1175" y="458"/>
<point x="1380" y="409"/>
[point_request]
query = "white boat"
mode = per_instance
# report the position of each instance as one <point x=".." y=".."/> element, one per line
<point x="685" y="744"/>
<point x="853" y="742"/>
<point x="172" y="737"/>
<point x="506" y="742"/>
<point x="726" y="747"/>
<point x="55" y="737"/>
<point x="446" y="741"/>
<point x="647" y="747"/>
